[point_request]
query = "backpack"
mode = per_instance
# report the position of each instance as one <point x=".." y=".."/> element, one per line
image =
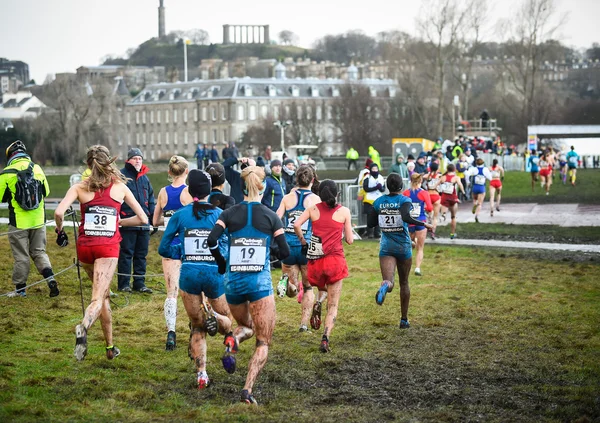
<point x="28" y="190"/>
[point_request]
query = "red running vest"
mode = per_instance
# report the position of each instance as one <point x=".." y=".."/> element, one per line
<point x="100" y="220"/>
<point x="326" y="238"/>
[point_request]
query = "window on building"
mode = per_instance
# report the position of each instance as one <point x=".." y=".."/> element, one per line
<point x="264" y="111"/>
<point x="276" y="112"/>
<point x="215" y="135"/>
<point x="128" y="118"/>
<point x="175" y="138"/>
<point x="252" y="112"/>
<point x="151" y="138"/>
<point x="213" y="113"/>
<point x="318" y="113"/>
<point x="166" y="116"/>
<point x="128" y="139"/>
<point x="329" y="112"/>
<point x="299" y="111"/>
<point x="308" y="112"/>
<point x="195" y="114"/>
<point x="185" y="115"/>
<point x="144" y="138"/>
<point x="137" y="139"/>
<point x="158" y="138"/>
<point x="287" y="112"/>
<point x="185" y="138"/>
<point x="137" y="117"/>
<point x="175" y="116"/>
<point x="158" y="116"/>
<point x="224" y="135"/>
<point x="223" y="112"/>
<point x="195" y="137"/>
<point x="240" y="112"/>
<point x="144" y="116"/>
<point x="204" y="136"/>
<point x="204" y="114"/>
<point x="167" y="138"/>
<point x="151" y="116"/>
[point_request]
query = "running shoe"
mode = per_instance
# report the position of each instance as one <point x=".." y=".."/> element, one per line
<point x="53" y="288"/>
<point x="497" y="208"/>
<point x="382" y="292"/>
<point x="282" y="285"/>
<point x="404" y="324"/>
<point x="418" y="271"/>
<point x="476" y="219"/>
<point x="303" y="328"/>
<point x="80" y="342"/>
<point x="492" y="213"/>
<point x="315" y="319"/>
<point x="231" y="348"/>
<point x="203" y="380"/>
<point x="452" y="236"/>
<point x="300" y="292"/>
<point x="211" y="325"/>
<point x="547" y="193"/>
<point x="171" y="341"/>
<point x="324" y="348"/>
<point x="112" y="352"/>
<point x="474" y="209"/>
<point x="248" y="398"/>
<point x="432" y="235"/>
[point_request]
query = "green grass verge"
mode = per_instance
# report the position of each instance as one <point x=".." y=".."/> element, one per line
<point x="538" y="233"/>
<point x="496" y="336"/>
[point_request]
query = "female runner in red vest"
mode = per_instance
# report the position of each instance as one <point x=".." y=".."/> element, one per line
<point x="326" y="261"/>
<point x="100" y="196"/>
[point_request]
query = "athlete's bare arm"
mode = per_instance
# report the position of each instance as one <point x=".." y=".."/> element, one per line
<point x="457" y="181"/>
<point x="140" y="217"/>
<point x="158" y="218"/>
<point x="348" y="234"/>
<point x="59" y="213"/>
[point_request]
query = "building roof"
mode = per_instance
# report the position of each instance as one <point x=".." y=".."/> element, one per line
<point x="256" y="88"/>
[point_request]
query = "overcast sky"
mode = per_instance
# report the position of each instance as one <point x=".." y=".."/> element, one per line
<point x="61" y="35"/>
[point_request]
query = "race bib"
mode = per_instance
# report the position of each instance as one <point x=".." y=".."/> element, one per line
<point x="495" y="175"/>
<point x="315" y="248"/>
<point x="479" y="180"/>
<point x="432" y="183"/>
<point x="573" y="160"/>
<point x="416" y="211"/>
<point x="391" y="221"/>
<point x="247" y="254"/>
<point x="448" y="188"/>
<point x="195" y="244"/>
<point x="167" y="216"/>
<point x="543" y="163"/>
<point x="535" y="160"/>
<point x="292" y="217"/>
<point x="100" y="221"/>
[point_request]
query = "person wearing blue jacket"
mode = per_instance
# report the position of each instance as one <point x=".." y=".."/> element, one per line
<point x="199" y="277"/>
<point x="134" y="245"/>
<point x="233" y="176"/>
<point x="275" y="187"/>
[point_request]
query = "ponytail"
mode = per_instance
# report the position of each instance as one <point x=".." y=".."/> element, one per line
<point x="328" y="192"/>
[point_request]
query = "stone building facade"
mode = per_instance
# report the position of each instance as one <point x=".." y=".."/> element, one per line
<point x="169" y="118"/>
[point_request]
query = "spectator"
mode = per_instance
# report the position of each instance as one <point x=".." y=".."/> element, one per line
<point x="199" y="156"/>
<point x="214" y="154"/>
<point x="469" y="157"/>
<point x="268" y="154"/>
<point x="421" y="165"/>
<point x="446" y="144"/>
<point x="352" y="157"/>
<point x="374" y="155"/>
<point x="373" y="185"/>
<point x="485" y="117"/>
<point x="233" y="176"/>
<point x="205" y="154"/>
<point x="399" y="167"/>
<point x="289" y="174"/>
<point x="457" y="150"/>
<point x="274" y="187"/>
<point x="135" y="242"/>
<point x="26" y="226"/>
<point x="226" y="152"/>
<point x="234" y="150"/>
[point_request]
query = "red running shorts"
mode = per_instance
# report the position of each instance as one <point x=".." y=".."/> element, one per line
<point x="88" y="254"/>
<point x="496" y="183"/>
<point x="326" y="271"/>
<point x="449" y="201"/>
<point x="545" y="172"/>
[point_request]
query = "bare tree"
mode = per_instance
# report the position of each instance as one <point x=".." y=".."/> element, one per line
<point x="287" y="37"/>
<point x="198" y="36"/>
<point x="442" y="23"/>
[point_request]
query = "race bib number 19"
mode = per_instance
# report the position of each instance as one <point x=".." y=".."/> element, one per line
<point x="100" y="221"/>
<point x="247" y="254"/>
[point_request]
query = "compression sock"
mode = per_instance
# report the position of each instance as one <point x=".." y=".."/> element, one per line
<point x="171" y="313"/>
<point x="322" y="296"/>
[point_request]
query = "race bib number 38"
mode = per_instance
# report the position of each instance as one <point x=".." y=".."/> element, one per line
<point x="247" y="254"/>
<point x="100" y="221"/>
<point x="196" y="245"/>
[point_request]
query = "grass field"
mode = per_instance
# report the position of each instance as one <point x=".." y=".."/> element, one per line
<point x="517" y="187"/>
<point x="496" y="336"/>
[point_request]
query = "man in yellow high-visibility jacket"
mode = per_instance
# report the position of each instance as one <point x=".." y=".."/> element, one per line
<point x="374" y="155"/>
<point x="352" y="157"/>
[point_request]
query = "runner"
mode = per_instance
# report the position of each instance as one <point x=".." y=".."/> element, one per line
<point x="292" y="206"/>
<point x="421" y="203"/>
<point x="216" y="197"/>
<point x="99" y="237"/>
<point x="545" y="173"/>
<point x="327" y="266"/>
<point x="564" y="167"/>
<point x="572" y="161"/>
<point x="431" y="182"/>
<point x="461" y="167"/>
<point x="480" y="174"/>
<point x="450" y="201"/>
<point x="393" y="213"/>
<point x="497" y="173"/>
<point x="202" y="288"/>
<point x="248" y="285"/>
<point x="534" y="169"/>
<point x="170" y="199"/>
